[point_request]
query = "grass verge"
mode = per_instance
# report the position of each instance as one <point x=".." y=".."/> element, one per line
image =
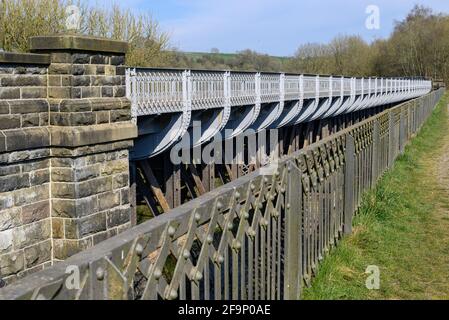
<point x="402" y="227"/>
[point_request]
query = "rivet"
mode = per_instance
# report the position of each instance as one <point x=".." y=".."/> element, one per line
<point x="209" y="239"/>
<point x="139" y="250"/>
<point x="237" y="245"/>
<point x="171" y="231"/>
<point x="100" y="274"/>
<point x="220" y="259"/>
<point x="265" y="179"/>
<point x="173" y="294"/>
<point x="251" y="232"/>
<point x="288" y="206"/>
<point x="197" y="217"/>
<point x="282" y="190"/>
<point x="198" y="276"/>
<point x="157" y="274"/>
<point x="237" y="195"/>
<point x="277" y="173"/>
<point x="252" y="187"/>
<point x="186" y="254"/>
<point x="230" y="226"/>
<point x="245" y="215"/>
<point x="260" y="205"/>
<point x="219" y="205"/>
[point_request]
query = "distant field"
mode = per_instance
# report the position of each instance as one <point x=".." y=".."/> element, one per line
<point x="225" y="56"/>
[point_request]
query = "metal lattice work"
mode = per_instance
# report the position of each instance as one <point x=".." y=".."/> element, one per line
<point x="154" y="91"/>
<point x="270" y="87"/>
<point x="243" y="89"/>
<point x="207" y="90"/>
<point x="259" y="237"/>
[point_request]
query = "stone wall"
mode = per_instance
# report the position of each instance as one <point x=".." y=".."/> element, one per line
<point x="65" y="135"/>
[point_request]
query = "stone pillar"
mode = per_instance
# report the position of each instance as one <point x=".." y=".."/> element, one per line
<point x="67" y="187"/>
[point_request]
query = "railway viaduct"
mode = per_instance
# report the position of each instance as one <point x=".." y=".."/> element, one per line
<point x="87" y="145"/>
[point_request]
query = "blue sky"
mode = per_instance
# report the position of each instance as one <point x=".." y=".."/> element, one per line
<point x="276" y="27"/>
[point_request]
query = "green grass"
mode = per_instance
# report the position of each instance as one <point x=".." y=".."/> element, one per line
<point x="402" y="227"/>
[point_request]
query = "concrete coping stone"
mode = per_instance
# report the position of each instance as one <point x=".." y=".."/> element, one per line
<point x="24" y="58"/>
<point x="77" y="43"/>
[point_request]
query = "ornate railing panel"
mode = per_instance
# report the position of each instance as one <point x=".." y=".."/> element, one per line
<point x="259" y="237"/>
<point x="156" y="91"/>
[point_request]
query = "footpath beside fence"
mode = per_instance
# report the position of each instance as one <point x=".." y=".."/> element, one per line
<point x="259" y="237"/>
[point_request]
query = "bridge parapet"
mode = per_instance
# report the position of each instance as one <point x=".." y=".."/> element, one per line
<point x="65" y="132"/>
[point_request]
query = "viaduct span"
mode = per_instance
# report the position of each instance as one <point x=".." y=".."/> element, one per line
<point x="85" y="143"/>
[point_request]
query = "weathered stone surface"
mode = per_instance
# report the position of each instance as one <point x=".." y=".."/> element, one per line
<point x="120" y="92"/>
<point x="75" y="106"/>
<point x="59" y="92"/>
<point x="63" y="190"/>
<point x="90" y="92"/>
<point x="118" y="216"/>
<point x="34" y="93"/>
<point x="57" y="228"/>
<point x="80" y="81"/>
<point x="31" y="234"/>
<point x="91" y="187"/>
<point x="71" y="229"/>
<point x="92" y="224"/>
<point x="9" y="93"/>
<point x="28" y="138"/>
<point x="24" y="81"/>
<point x="36" y="212"/>
<point x="66" y="248"/>
<point x="31" y="195"/>
<point x="60" y="68"/>
<point x="62" y="175"/>
<point x="4" y="107"/>
<point x="80" y="58"/>
<point x="117" y="60"/>
<point x="61" y="57"/>
<point x="87" y="172"/>
<point x="6" y="200"/>
<point x="39" y="177"/>
<point x="14" y="182"/>
<point x="30" y="120"/>
<point x="24" y="58"/>
<point x="38" y="254"/>
<point x="115" y="167"/>
<point x="120" y="115"/>
<point x="9" y="122"/>
<point x="10" y="219"/>
<point x="12" y="263"/>
<point x="108" y="200"/>
<point x="9" y="170"/>
<point x="99" y="59"/>
<point x="74" y="208"/>
<point x="29" y="106"/>
<point x="78" y="43"/>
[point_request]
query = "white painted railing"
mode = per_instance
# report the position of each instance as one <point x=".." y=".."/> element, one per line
<point x="161" y="91"/>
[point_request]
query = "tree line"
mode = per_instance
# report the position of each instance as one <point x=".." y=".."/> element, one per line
<point x="418" y="45"/>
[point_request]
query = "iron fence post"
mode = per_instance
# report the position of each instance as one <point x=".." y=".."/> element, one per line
<point x="293" y="243"/>
<point x="349" y="183"/>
